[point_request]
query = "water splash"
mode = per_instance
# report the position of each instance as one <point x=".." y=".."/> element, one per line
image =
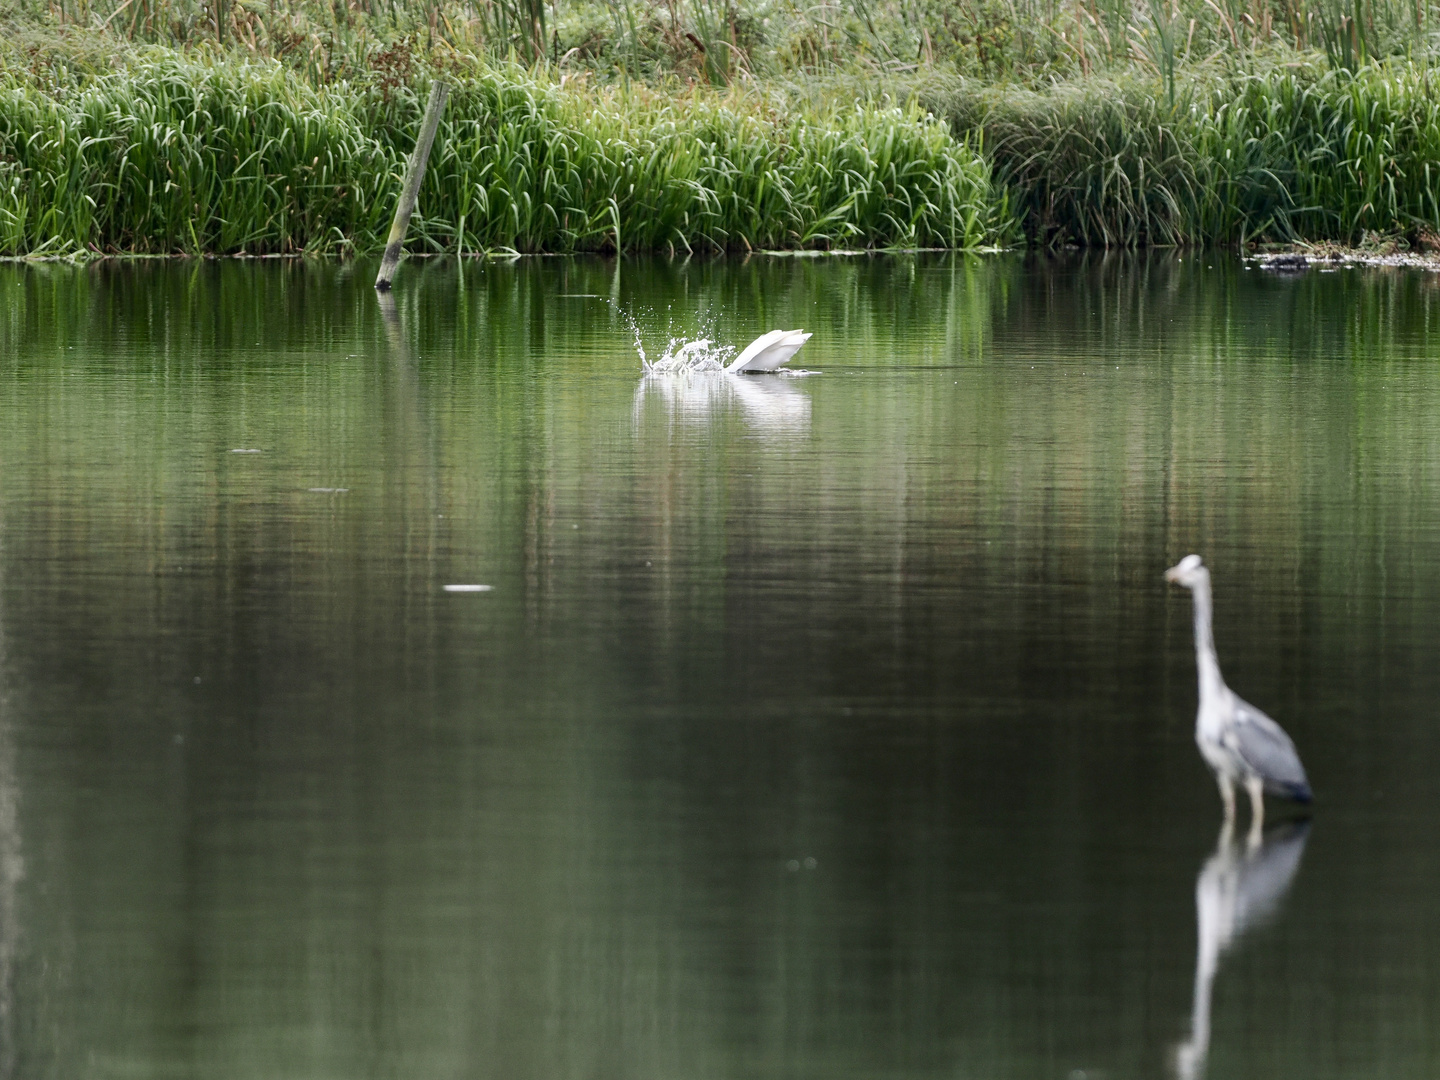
<point x="629" y="320"/>
<point x="681" y="355"/>
<point x="700" y="356"/>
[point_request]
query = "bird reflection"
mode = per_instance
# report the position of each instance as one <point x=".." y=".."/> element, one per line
<point x="771" y="403"/>
<point x="1239" y="887"/>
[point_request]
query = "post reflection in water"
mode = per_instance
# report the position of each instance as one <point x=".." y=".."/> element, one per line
<point x="1239" y="887"/>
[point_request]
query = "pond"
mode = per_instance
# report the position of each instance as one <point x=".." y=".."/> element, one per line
<point x="828" y="726"/>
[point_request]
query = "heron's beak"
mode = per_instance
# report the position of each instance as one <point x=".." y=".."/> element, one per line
<point x="1173" y="574"/>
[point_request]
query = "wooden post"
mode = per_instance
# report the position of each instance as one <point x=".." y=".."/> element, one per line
<point x="414" y="173"/>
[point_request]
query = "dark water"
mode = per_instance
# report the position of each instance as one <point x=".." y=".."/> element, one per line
<point x="826" y="727"/>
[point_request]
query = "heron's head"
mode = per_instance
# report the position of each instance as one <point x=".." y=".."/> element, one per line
<point x="1189" y="571"/>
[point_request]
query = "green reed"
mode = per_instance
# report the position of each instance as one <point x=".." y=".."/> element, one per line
<point x="1285" y="154"/>
<point x="181" y="157"/>
<point x="539" y="171"/>
<point x="172" y="155"/>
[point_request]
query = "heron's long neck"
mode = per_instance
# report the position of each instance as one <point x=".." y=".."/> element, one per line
<point x="1205" y="661"/>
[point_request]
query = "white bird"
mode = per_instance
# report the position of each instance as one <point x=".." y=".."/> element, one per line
<point x="768" y="351"/>
<point x="1238" y="741"/>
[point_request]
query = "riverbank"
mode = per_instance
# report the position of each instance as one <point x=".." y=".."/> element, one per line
<point x="171" y="154"/>
<point x="1278" y="153"/>
<point x="1379" y="252"/>
<point x="193" y="149"/>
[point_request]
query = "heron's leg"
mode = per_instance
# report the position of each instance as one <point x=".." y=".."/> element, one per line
<point x="1227" y="796"/>
<point x="1256" y="787"/>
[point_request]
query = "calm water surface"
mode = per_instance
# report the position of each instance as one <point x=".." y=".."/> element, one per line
<point x="833" y="727"/>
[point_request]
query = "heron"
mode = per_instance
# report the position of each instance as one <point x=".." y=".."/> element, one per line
<point x="1239" y="742"/>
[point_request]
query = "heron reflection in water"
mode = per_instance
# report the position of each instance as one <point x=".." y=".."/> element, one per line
<point x="1239" y="742"/>
<point x="1238" y="888"/>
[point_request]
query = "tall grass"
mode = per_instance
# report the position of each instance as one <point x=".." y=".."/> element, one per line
<point x="569" y="172"/>
<point x="171" y="155"/>
<point x="1102" y="122"/>
<point x="1283" y="154"/>
<point x="716" y="41"/>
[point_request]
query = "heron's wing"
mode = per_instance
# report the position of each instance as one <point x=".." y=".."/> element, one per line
<point x="1265" y="747"/>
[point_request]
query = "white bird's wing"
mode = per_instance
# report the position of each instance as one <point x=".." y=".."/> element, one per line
<point x="754" y="349"/>
<point x="1265" y="747"/>
<point x="768" y="351"/>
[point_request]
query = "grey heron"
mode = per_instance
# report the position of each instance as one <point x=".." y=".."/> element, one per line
<point x="1238" y="741"/>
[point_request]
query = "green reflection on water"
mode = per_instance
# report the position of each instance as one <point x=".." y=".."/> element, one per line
<point x="902" y="618"/>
